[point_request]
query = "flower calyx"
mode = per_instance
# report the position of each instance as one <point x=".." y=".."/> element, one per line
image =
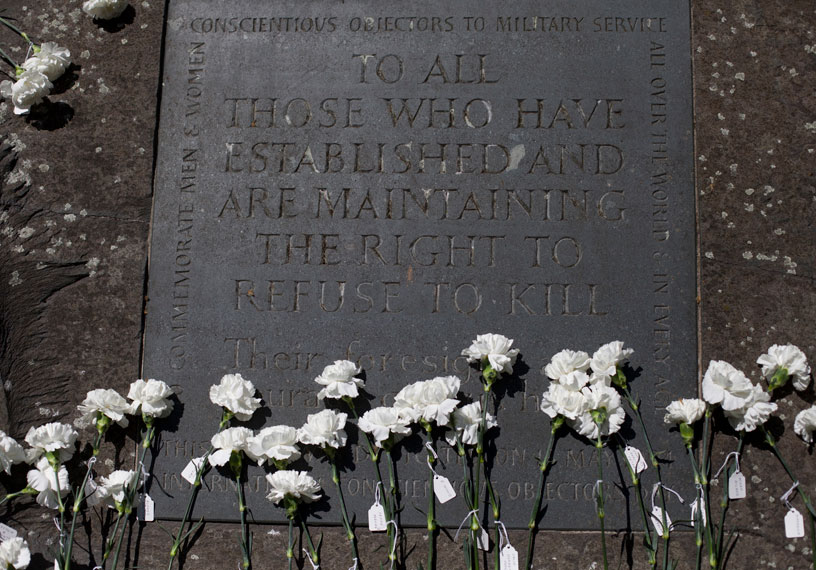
<point x="687" y="433"/>
<point x="779" y="379"/>
<point x="619" y="379"/>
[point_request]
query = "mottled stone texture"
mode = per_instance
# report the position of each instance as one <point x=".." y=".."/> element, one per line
<point x="75" y="221"/>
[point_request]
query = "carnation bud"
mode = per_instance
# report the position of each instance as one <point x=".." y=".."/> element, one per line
<point x="779" y="379"/>
<point x="619" y="379"/>
<point x="687" y="433"/>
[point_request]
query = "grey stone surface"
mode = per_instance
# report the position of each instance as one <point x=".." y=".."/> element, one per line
<point x="754" y="68"/>
<point x="381" y="183"/>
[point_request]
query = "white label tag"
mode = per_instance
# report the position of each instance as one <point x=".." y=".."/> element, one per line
<point x="483" y="541"/>
<point x="635" y="459"/>
<point x="443" y="489"/>
<point x="90" y="488"/>
<point x="657" y="519"/>
<point x="189" y="472"/>
<point x="736" y="486"/>
<point x="794" y="524"/>
<point x="376" y="518"/>
<point x="508" y="559"/>
<point x="149" y="509"/>
<point x="698" y="505"/>
<point x="56" y="565"/>
<point x="6" y="532"/>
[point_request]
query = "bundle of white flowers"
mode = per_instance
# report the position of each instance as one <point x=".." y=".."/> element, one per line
<point x="11" y="452"/>
<point x="104" y="9"/>
<point x="33" y="78"/>
<point x="782" y="362"/>
<point x="236" y="396"/>
<point x="387" y="425"/>
<point x="429" y="401"/>
<point x="276" y="445"/>
<point x="339" y="381"/>
<point x="14" y="553"/>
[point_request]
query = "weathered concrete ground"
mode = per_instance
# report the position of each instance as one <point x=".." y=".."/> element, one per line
<point x="74" y="220"/>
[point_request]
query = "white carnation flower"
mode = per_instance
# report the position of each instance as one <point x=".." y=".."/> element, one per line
<point x="494" y="347"/>
<point x="756" y="411"/>
<point x="29" y="89"/>
<point x="50" y="438"/>
<point x="103" y="402"/>
<point x="790" y="358"/>
<point x="723" y="384"/>
<point x="151" y="398"/>
<point x="565" y="362"/>
<point x="276" y="444"/>
<point x="609" y="357"/>
<point x="52" y="60"/>
<point x="562" y="400"/>
<point x="386" y="425"/>
<point x="685" y="410"/>
<point x="339" y="380"/>
<point x="805" y="424"/>
<point x="324" y="429"/>
<point x="296" y="485"/>
<point x="226" y="441"/>
<point x="606" y="400"/>
<point x="14" y="553"/>
<point x="113" y="489"/>
<point x="236" y="395"/>
<point x="432" y="400"/>
<point x="44" y="480"/>
<point x="11" y="452"/>
<point x="104" y="9"/>
<point x="465" y="422"/>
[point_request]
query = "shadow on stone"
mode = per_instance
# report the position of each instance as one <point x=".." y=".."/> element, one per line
<point x="49" y="116"/>
<point x="117" y="24"/>
<point x="67" y="80"/>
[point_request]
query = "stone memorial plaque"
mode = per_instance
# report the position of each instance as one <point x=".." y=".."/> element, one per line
<point x="382" y="181"/>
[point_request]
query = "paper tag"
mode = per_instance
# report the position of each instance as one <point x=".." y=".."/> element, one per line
<point x="149" y="509"/>
<point x="376" y="518"/>
<point x="508" y="559"/>
<point x="635" y="458"/>
<point x="6" y="532"/>
<point x="443" y="489"/>
<point x="736" y="486"/>
<point x="794" y="524"/>
<point x="483" y="541"/>
<point x="56" y="565"/>
<point x="90" y="488"/>
<point x="189" y="472"/>
<point x="698" y="504"/>
<point x="657" y="519"/>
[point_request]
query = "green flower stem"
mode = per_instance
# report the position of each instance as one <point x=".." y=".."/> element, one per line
<point x="431" y="503"/>
<point x="705" y="473"/>
<point x="80" y="494"/>
<point x="804" y="496"/>
<point x="290" y="553"/>
<point x="112" y="539"/>
<point x="600" y="498"/>
<point x="123" y="510"/>
<point x="16" y="30"/>
<point x="346" y="522"/>
<point x="9" y="60"/>
<point x="648" y="539"/>
<point x="313" y="553"/>
<point x="544" y="468"/>
<point x="181" y="535"/>
<point x="699" y="527"/>
<point x="392" y="535"/>
<point x="724" y="502"/>
<point x="480" y="465"/>
<point x="26" y="491"/>
<point x="635" y="407"/>
<point x="246" y="540"/>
